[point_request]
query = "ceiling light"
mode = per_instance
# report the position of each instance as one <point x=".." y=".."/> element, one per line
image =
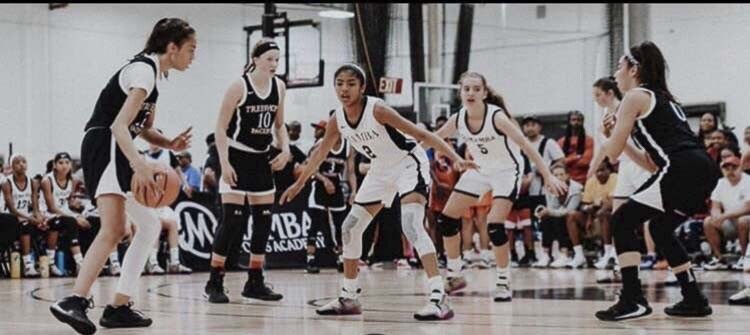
<point x="336" y="14"/>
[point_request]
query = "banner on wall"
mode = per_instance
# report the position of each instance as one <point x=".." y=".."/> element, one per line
<point x="286" y="247"/>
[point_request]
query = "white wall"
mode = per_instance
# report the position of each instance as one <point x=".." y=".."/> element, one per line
<point x="707" y="48"/>
<point x="54" y="64"/>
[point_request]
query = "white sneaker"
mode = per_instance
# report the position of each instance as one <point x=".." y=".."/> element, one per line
<point x="577" y="262"/>
<point x="346" y="304"/>
<point x="560" y="262"/>
<point x="29" y="271"/>
<point x="436" y="309"/>
<point x="179" y="268"/>
<point x="54" y="271"/>
<point x="741" y="297"/>
<point x="739" y="266"/>
<point x="455" y="283"/>
<point x="154" y="269"/>
<point x="114" y="269"/>
<point x="481" y="263"/>
<point x="543" y="261"/>
<point x="502" y="290"/>
<point x="603" y="262"/>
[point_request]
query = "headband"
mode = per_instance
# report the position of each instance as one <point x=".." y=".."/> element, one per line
<point x="62" y="155"/>
<point x="261" y="49"/>
<point x="355" y="67"/>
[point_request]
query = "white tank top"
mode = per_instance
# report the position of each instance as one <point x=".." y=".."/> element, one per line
<point x="489" y="147"/>
<point x="382" y="144"/>
<point x="59" y="194"/>
<point x="21" y="198"/>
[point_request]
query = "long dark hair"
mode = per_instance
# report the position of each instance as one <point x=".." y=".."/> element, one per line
<point x="652" y="67"/>
<point x="607" y="84"/>
<point x="580" y="133"/>
<point x="167" y="30"/>
<point x="492" y="96"/>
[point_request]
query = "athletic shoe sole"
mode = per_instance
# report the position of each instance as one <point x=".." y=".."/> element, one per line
<point x="336" y="312"/>
<point x="447" y="316"/>
<point x="251" y="298"/>
<point x="116" y="324"/>
<point x="691" y="314"/>
<point x="740" y="302"/>
<point x="78" y="325"/>
<point x="206" y="296"/>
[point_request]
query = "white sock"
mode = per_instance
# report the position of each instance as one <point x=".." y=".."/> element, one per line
<point x="503" y="274"/>
<point x="174" y="255"/>
<point x="152" y="257"/>
<point x="454" y="265"/>
<point x="27" y="261"/>
<point x="466" y="253"/>
<point x="747" y="253"/>
<point x="51" y="256"/>
<point x="350" y="285"/>
<point x="436" y="283"/>
<point x="114" y="258"/>
<point x="609" y="250"/>
<point x="578" y="249"/>
<point x="78" y="258"/>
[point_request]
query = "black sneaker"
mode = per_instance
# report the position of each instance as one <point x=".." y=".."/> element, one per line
<point x="311" y="267"/>
<point x="697" y="307"/>
<point x="72" y="310"/>
<point x="257" y="289"/>
<point x="627" y="307"/>
<point x="214" y="292"/>
<point x="526" y="260"/>
<point x="123" y="317"/>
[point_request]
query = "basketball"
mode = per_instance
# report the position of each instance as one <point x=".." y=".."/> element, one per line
<point x="168" y="182"/>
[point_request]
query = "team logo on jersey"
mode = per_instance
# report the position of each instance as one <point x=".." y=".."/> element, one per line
<point x="197" y="229"/>
<point x="142" y="118"/>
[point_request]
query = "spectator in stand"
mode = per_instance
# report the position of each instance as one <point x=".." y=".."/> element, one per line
<point x="597" y="206"/>
<point x="708" y="124"/>
<point x="730" y="210"/>
<point x="554" y="217"/>
<point x="191" y="175"/>
<point x="577" y="147"/>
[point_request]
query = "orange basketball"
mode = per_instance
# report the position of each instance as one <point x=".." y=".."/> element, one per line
<point x="168" y="182"/>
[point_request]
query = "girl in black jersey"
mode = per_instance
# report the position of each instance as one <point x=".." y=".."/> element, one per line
<point x="124" y="110"/>
<point x="251" y="115"/>
<point x="327" y="195"/>
<point x="684" y="178"/>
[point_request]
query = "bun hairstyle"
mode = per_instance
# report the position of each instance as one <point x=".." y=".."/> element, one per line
<point x="607" y="84"/>
<point x="167" y="30"/>
<point x="262" y="46"/>
<point x="355" y="69"/>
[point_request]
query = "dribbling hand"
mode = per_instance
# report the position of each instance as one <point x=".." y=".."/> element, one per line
<point x="461" y="165"/>
<point x="144" y="182"/>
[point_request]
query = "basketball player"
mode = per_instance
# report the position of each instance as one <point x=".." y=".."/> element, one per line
<point x="57" y="187"/>
<point x="126" y="109"/>
<point x="399" y="166"/>
<point x="21" y="199"/>
<point x="684" y="178"/>
<point x="495" y="142"/>
<point x="327" y="196"/>
<point x="252" y="114"/>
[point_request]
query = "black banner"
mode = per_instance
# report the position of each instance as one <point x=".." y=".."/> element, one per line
<point x="286" y="246"/>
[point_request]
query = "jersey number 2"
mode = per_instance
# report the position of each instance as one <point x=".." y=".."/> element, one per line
<point x="369" y="152"/>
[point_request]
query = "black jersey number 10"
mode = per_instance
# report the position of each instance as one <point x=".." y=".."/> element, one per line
<point x="369" y="152"/>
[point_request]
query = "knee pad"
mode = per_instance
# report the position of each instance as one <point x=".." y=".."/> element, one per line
<point x="412" y="223"/>
<point x="352" y="229"/>
<point x="497" y="234"/>
<point x="233" y="217"/>
<point x="262" y="218"/>
<point x="69" y="229"/>
<point x="448" y="226"/>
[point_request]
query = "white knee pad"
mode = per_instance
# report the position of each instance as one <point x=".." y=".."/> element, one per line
<point x="149" y="228"/>
<point x="412" y="224"/>
<point x="352" y="229"/>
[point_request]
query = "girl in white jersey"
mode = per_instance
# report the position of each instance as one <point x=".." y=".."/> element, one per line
<point x="21" y="194"/>
<point x="399" y="166"/>
<point x="57" y="187"/>
<point x="495" y="141"/>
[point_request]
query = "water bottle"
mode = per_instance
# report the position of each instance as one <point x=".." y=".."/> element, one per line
<point x="15" y="264"/>
<point x="44" y="266"/>
<point x="60" y="260"/>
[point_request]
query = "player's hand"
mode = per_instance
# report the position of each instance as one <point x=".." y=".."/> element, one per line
<point x="182" y="141"/>
<point x="291" y="192"/>
<point x="328" y="184"/>
<point x="278" y="162"/>
<point x="144" y="181"/>
<point x="228" y="174"/>
<point x="555" y="186"/>
<point x="461" y="165"/>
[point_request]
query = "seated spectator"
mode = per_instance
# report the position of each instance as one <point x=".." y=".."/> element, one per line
<point x="577" y="147"/>
<point x="730" y="210"/>
<point x="191" y="175"/>
<point x="475" y="220"/>
<point x="554" y="217"/>
<point x="708" y="124"/>
<point x="169" y="225"/>
<point x="519" y="219"/>
<point x="717" y="141"/>
<point x="597" y="206"/>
